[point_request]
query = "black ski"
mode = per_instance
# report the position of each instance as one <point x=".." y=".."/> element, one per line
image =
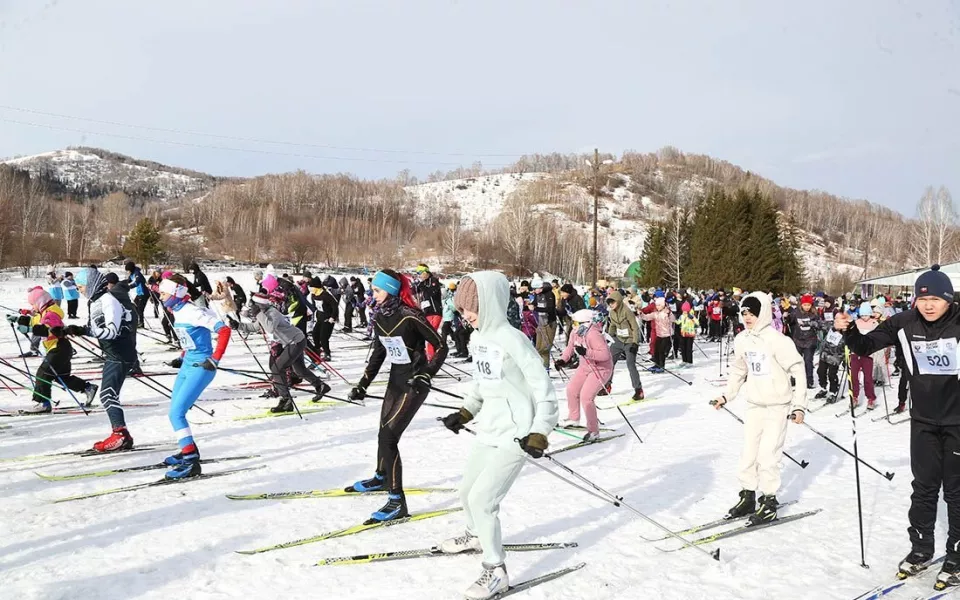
<point x="432" y="552"/>
<point x="108" y="472"/>
<point x="743" y="529"/>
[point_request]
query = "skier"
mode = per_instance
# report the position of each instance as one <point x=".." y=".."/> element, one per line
<point x="446" y="328"/>
<point x="571" y="302"/>
<point x="70" y="294"/>
<point x="326" y="314"/>
<point x="54" y="287"/>
<point x="764" y="361"/>
<point x="622" y="328"/>
<point x="40" y="303"/>
<point x="428" y="293"/>
<point x="114" y="327"/>
<point x="360" y="296"/>
<point x="596" y="368"/>
<point x="401" y="334"/>
<point x="831" y="355"/>
<point x="200" y="279"/>
<point x="546" y="309"/>
<point x="687" y="322"/>
<point x="512" y="399"/>
<point x="139" y="284"/>
<point x="662" y="319"/>
<point x="346" y="293"/>
<point x="239" y="296"/>
<point x="193" y="327"/>
<point x="56" y="365"/>
<point x="863" y="363"/>
<point x="804" y="324"/>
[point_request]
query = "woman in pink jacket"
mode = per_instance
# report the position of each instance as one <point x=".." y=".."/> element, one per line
<point x="596" y="367"/>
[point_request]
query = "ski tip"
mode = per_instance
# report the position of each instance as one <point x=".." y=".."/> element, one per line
<point x="716" y="554"/>
<point x="804" y="464"/>
<point x="889" y="476"/>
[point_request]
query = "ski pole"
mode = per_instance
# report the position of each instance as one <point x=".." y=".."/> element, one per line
<point x="666" y="370"/>
<point x="859" y="460"/>
<point x="853" y="421"/>
<point x="69" y="391"/>
<point x="629" y="424"/>
<point x="28" y="388"/>
<point x="802" y="464"/>
<point x="20" y="348"/>
<point x="255" y="378"/>
<point x="445" y="392"/>
<point x="700" y="349"/>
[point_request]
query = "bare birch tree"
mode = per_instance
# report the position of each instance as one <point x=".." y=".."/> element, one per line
<point x="933" y="231"/>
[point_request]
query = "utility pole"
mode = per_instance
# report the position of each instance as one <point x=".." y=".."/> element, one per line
<point x="596" y="199"/>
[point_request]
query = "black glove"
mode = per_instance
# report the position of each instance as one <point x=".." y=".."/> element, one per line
<point x="581" y="350"/>
<point x="40" y="331"/>
<point x="454" y="421"/>
<point x="210" y="364"/>
<point x="23" y="321"/>
<point x="533" y="444"/>
<point x="634" y="348"/>
<point x="357" y="393"/>
<point x="560" y="363"/>
<point x="420" y="382"/>
<point x="75" y="330"/>
<point x="12" y="318"/>
<point x="233" y="323"/>
<point x="176" y="363"/>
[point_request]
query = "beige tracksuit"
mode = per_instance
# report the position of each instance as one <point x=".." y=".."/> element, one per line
<point x="764" y="361"/>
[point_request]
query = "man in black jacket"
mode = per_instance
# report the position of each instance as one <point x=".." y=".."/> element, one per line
<point x="430" y="295"/>
<point x="359" y="299"/>
<point x="346" y="292"/>
<point x="928" y="335"/>
<point x="326" y="307"/>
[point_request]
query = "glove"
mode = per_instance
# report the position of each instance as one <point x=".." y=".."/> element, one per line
<point x="233" y="323"/>
<point x="23" y="321"/>
<point x="12" y="318"/>
<point x="176" y="363"/>
<point x="357" y="393"/>
<point x="40" y="331"/>
<point x="560" y="363"/>
<point x="581" y="350"/>
<point x="533" y="444"/>
<point x="634" y="348"/>
<point x="24" y="329"/>
<point x="75" y="330"/>
<point x="210" y="364"/>
<point x="420" y="382"/>
<point x="454" y="421"/>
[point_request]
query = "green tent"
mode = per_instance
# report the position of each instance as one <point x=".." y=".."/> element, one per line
<point x="634" y="271"/>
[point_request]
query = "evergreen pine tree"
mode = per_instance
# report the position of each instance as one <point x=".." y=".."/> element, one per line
<point x="651" y="260"/>
<point x="143" y="244"/>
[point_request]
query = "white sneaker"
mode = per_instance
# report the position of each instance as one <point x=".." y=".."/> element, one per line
<point x="569" y="423"/>
<point x="591" y="437"/>
<point x="462" y="543"/>
<point x="492" y="581"/>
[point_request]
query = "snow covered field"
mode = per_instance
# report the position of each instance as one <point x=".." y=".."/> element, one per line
<point x="180" y="540"/>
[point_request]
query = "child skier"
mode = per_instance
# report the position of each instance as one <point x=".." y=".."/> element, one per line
<point x="688" y="331"/>
<point x="512" y="399"/>
<point x="56" y="366"/>
<point x="763" y="364"/>
<point x="193" y="327"/>
<point x="70" y="294"/>
<point x="831" y="355"/>
<point x="596" y="367"/>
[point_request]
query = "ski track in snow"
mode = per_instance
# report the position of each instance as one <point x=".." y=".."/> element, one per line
<point x="163" y="542"/>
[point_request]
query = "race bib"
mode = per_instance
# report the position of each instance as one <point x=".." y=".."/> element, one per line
<point x="425" y="304"/>
<point x="487" y="362"/>
<point x="937" y="357"/>
<point x="827" y="316"/>
<point x="717" y="310"/>
<point x="758" y="364"/>
<point x="542" y="306"/>
<point x="623" y="332"/>
<point x="186" y="342"/>
<point x="834" y="338"/>
<point x="804" y="324"/>
<point x="396" y="350"/>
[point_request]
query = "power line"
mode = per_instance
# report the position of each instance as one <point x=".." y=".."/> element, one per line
<point x="253" y="140"/>
<point x="232" y="149"/>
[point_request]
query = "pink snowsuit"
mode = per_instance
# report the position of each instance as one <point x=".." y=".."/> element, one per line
<point x="595" y="369"/>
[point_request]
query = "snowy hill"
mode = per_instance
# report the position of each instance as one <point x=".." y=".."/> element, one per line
<point x="91" y="172"/>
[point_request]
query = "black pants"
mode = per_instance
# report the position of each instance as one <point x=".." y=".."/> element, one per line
<point x="660" y="350"/>
<point x="56" y="363"/>
<point x="322" y="331"/>
<point x="935" y="462"/>
<point x="140" y="302"/>
<point x="808" y="362"/>
<point x="825" y="372"/>
<point x="362" y="315"/>
<point x="156" y="306"/>
<point x="461" y="339"/>
<point x="446" y="331"/>
<point x="715" y="329"/>
<point x="686" y="349"/>
<point x="347" y="317"/>
<point x="72" y="308"/>
<point x="400" y="405"/>
<point x="291" y="357"/>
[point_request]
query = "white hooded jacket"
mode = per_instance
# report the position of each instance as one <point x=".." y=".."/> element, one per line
<point x="510" y="395"/>
<point x="764" y="361"/>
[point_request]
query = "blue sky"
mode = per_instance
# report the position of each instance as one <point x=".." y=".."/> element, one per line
<point x="860" y="98"/>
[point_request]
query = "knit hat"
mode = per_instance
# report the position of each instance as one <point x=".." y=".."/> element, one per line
<point x="806" y="299"/>
<point x="525" y="283"/>
<point x="658" y="294"/>
<point x="584" y="315"/>
<point x="452" y="285"/>
<point x="112" y="278"/>
<point x="261" y="299"/>
<point x="934" y="283"/>
<point x="169" y="286"/>
<point x="270" y="283"/>
<point x="315" y="282"/>
<point x="536" y="283"/>
<point x="865" y="310"/>
<point x="37" y="297"/>
<point x="467" y="297"/>
<point x="568" y="288"/>
<point x="685" y="307"/>
<point x="751" y="303"/>
<point x="258" y="274"/>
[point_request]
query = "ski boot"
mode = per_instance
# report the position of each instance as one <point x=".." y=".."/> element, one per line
<point x="462" y="543"/>
<point x="395" y="508"/>
<point x="492" y="581"/>
<point x="949" y="575"/>
<point x="638" y="394"/>
<point x="871" y="404"/>
<point x="900" y="408"/>
<point x="766" y="510"/>
<point x="271" y="393"/>
<point x="746" y="506"/>
<point x="284" y="406"/>
<point x="322" y="390"/>
<point x="821" y="394"/>
<point x="591" y="437"/>
<point x="914" y="563"/>
<point x="41" y="408"/>
<point x="374" y="484"/>
<point x="91" y="391"/>
<point x="189" y="467"/>
<point x="120" y="439"/>
<point x="173" y="460"/>
<point x="28" y="354"/>
<point x="569" y="424"/>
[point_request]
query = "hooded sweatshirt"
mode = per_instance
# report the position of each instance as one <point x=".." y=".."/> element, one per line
<point x="764" y="361"/>
<point x="510" y="395"/>
<point x="621" y="323"/>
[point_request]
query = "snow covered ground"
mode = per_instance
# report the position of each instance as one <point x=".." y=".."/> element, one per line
<point x="178" y="540"/>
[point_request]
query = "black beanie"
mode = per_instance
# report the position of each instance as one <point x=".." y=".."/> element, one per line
<point x="934" y="283"/>
<point x="315" y="283"/>
<point x="751" y="303"/>
<point x="525" y="284"/>
<point x="568" y="289"/>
